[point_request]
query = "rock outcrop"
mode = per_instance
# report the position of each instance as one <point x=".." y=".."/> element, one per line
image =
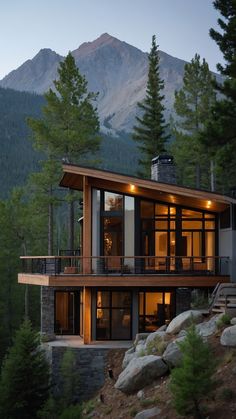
<point x="184" y="320"/>
<point x="228" y="337"/>
<point x="140" y="372"/>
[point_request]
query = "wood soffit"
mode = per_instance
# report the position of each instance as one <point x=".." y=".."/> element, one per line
<point x="177" y="195"/>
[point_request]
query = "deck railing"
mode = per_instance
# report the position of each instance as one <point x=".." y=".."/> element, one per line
<point x="125" y="265"/>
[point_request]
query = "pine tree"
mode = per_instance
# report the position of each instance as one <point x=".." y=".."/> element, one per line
<point x="192" y="381"/>
<point x="220" y="133"/>
<point x="192" y="105"/>
<point x="70" y="376"/>
<point x="24" y="383"/>
<point x="69" y="127"/>
<point x="150" y="131"/>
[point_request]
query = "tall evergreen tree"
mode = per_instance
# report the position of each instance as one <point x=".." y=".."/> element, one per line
<point x="192" y="381"/>
<point x="69" y="127"/>
<point x="24" y="383"/>
<point x="192" y="105"/>
<point x="150" y="131"/>
<point x="220" y="134"/>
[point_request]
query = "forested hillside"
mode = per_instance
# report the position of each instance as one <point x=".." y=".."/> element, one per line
<point x="18" y="159"/>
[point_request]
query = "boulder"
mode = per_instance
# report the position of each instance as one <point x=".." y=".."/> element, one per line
<point x="172" y="355"/>
<point x="148" y="414"/>
<point x="233" y="321"/>
<point x="130" y="350"/>
<point x="140" y="336"/>
<point x="140" y="395"/>
<point x="184" y="320"/>
<point x="209" y="328"/>
<point x="140" y="348"/>
<point x="228" y="337"/>
<point x="162" y="328"/>
<point x="140" y="372"/>
<point x="127" y="358"/>
<point x="158" y="335"/>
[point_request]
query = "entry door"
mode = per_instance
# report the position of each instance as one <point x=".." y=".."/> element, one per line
<point x="67" y="312"/>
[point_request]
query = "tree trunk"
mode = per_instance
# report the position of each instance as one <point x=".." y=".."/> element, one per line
<point x="198" y="176"/>
<point x="71" y="218"/>
<point x="212" y="174"/>
<point x="26" y="288"/>
<point x="50" y="227"/>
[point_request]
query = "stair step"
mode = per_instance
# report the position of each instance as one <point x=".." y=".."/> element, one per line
<point x="218" y="310"/>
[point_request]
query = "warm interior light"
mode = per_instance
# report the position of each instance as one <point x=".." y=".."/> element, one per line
<point x="132" y="188"/>
<point x="208" y="204"/>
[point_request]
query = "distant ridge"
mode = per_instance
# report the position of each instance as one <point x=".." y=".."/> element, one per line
<point x="115" y="69"/>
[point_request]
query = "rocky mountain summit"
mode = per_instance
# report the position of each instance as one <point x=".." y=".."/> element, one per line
<point x="115" y="69"/>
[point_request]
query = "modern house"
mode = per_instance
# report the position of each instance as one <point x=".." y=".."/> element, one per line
<point x="147" y="247"/>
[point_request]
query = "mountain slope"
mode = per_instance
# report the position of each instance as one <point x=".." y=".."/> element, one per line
<point x="34" y="75"/>
<point x="115" y="69"/>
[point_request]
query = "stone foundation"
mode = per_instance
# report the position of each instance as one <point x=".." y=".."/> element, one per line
<point x="90" y="364"/>
<point x="47" y="312"/>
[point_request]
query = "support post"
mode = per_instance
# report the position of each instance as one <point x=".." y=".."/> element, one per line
<point x="87" y="315"/>
<point x="87" y="230"/>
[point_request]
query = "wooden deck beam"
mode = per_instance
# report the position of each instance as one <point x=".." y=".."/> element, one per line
<point x="122" y="281"/>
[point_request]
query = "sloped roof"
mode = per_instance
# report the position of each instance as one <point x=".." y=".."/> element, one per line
<point x="211" y="201"/>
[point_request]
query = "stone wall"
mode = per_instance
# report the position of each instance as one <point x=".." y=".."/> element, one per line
<point x="47" y="312"/>
<point x="90" y="364"/>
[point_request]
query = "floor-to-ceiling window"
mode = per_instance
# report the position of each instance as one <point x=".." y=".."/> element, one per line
<point x="113" y="315"/>
<point x="158" y="226"/>
<point x="177" y="238"/>
<point x="113" y="223"/>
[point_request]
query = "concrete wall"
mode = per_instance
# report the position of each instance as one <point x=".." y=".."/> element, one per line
<point x="90" y="364"/>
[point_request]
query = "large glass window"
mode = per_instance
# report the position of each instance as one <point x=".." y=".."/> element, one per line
<point x="169" y="232"/>
<point x="155" y="310"/>
<point x="113" y="315"/>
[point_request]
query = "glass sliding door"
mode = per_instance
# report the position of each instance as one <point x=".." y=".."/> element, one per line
<point x="67" y="312"/>
<point x="113" y="315"/>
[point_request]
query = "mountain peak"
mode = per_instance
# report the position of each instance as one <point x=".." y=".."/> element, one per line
<point x="88" y="47"/>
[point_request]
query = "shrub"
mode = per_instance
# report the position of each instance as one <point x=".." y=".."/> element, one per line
<point x="24" y="382"/>
<point x="223" y="321"/>
<point x="70" y="379"/>
<point x="192" y="381"/>
<point x="156" y="346"/>
<point x="227" y="394"/>
<point x="72" y="412"/>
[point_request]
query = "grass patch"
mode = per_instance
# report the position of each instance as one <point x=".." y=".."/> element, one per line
<point x="133" y="412"/>
<point x="229" y="356"/>
<point x="148" y="402"/>
<point x="223" y="321"/>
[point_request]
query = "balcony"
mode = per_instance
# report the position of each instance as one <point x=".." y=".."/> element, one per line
<point x="116" y="271"/>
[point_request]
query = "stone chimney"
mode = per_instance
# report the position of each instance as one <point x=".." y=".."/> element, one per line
<point x="163" y="169"/>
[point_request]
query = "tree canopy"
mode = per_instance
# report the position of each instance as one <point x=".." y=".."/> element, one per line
<point x="150" y="131"/>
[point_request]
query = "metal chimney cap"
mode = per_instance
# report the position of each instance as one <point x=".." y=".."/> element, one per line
<point x="163" y="159"/>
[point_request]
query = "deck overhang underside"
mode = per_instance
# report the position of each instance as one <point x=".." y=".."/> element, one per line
<point x="122" y="281"/>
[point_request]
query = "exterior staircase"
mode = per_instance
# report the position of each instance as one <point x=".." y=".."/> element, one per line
<point x="224" y="299"/>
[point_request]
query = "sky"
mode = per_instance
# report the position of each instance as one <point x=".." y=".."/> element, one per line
<point x="181" y="27"/>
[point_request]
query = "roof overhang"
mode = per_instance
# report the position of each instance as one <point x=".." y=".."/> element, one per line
<point x="74" y="176"/>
